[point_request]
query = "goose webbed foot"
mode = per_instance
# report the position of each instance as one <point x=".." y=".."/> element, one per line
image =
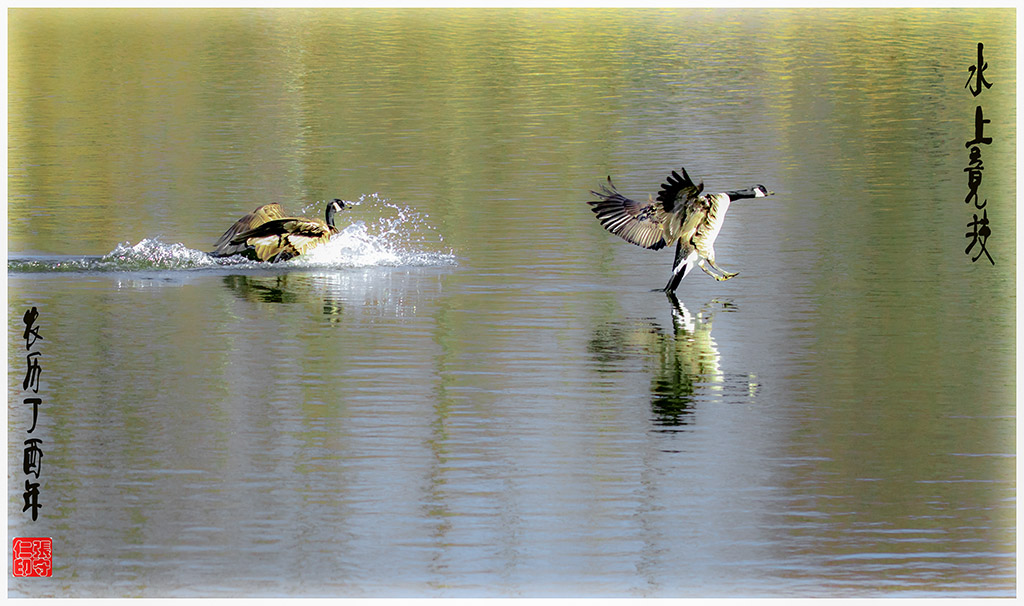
<point x="718" y="273"/>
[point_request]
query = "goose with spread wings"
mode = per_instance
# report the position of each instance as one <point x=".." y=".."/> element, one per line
<point x="680" y="215"/>
<point x="267" y="234"/>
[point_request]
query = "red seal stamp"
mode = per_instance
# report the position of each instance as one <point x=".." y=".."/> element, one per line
<point x="33" y="557"/>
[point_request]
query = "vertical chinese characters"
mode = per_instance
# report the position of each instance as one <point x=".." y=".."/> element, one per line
<point x="980" y="230"/>
<point x="33" y="454"/>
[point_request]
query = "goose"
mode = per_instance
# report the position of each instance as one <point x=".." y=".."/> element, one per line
<point x="267" y="234"/>
<point x="680" y="215"/>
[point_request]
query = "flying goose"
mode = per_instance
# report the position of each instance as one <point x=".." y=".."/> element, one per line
<point x="267" y="234"/>
<point x="679" y="215"/>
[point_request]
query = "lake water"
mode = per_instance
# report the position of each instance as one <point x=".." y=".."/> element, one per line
<point x="472" y="391"/>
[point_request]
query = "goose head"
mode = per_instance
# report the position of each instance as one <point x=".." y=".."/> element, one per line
<point x="757" y="191"/>
<point x="334" y="206"/>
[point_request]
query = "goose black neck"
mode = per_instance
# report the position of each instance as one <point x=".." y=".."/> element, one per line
<point x="741" y="193"/>
<point x="330" y="214"/>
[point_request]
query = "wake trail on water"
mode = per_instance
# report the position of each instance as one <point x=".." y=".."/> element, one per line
<point x="397" y="236"/>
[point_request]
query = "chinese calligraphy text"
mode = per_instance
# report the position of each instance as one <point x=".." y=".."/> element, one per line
<point x="979" y="229"/>
<point x="32" y="458"/>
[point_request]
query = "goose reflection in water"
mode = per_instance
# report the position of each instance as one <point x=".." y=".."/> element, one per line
<point x="689" y="362"/>
<point x="284" y="288"/>
<point x="687" y="367"/>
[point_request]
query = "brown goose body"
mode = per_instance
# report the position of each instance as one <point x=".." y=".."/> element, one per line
<point x="223" y="246"/>
<point x="267" y="234"/>
<point x="680" y="215"/>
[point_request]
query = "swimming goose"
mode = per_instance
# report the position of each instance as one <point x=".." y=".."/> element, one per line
<point x="680" y="215"/>
<point x="267" y="235"/>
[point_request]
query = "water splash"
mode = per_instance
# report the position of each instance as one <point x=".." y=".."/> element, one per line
<point x="154" y="254"/>
<point x="396" y="236"/>
<point x="149" y="254"/>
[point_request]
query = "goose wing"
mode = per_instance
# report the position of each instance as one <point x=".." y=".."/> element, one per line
<point x="283" y="239"/>
<point x="678" y="190"/>
<point x="635" y="222"/>
<point x="225" y="248"/>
